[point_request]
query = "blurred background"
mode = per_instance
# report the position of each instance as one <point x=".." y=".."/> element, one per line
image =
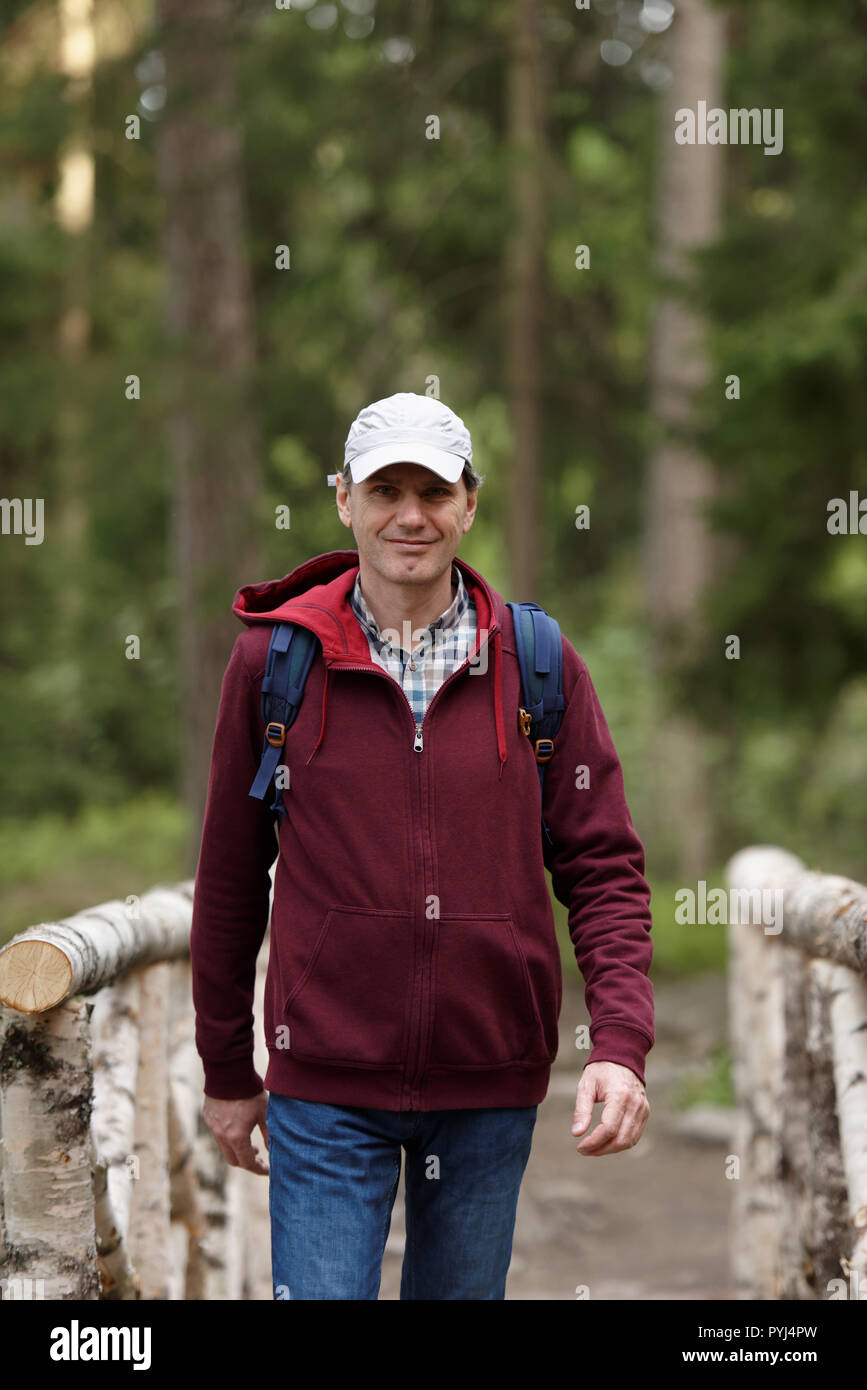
<point x="226" y="227"/>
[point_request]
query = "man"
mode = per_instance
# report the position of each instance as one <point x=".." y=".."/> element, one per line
<point x="414" y="981"/>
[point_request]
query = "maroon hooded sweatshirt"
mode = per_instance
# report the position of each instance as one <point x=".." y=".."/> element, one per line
<point x="413" y="961"/>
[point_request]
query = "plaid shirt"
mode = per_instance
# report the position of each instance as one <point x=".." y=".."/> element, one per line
<point x="439" y="650"/>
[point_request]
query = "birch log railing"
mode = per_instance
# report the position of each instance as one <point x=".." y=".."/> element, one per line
<point x="111" y="1184"/>
<point x="798" y="1025"/>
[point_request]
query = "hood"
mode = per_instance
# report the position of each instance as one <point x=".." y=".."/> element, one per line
<point x="315" y="595"/>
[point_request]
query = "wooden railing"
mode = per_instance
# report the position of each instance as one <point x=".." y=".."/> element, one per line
<point x="798" y="1027"/>
<point x="111" y="1184"/>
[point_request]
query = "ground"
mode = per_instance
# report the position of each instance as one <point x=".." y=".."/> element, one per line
<point x="651" y="1222"/>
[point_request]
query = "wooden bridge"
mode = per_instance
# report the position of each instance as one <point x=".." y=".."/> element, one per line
<point x="798" y="1028"/>
<point x="112" y="1187"/>
<point x="111" y="1184"/>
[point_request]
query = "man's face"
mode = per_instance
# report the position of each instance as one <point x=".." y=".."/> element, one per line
<point x="408" y="522"/>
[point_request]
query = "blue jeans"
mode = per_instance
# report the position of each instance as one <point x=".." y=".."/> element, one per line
<point x="334" y="1176"/>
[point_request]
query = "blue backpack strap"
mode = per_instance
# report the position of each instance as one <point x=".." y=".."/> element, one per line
<point x="290" y="654"/>
<point x="540" y="658"/>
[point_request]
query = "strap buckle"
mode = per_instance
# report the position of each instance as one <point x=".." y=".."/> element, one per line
<point x="525" y="721"/>
<point x="276" y="734"/>
<point x="544" y="749"/>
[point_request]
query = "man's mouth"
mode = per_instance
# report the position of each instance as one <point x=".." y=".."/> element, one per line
<point x="411" y="545"/>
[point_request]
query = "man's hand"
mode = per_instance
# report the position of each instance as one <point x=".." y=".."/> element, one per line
<point x="625" y="1108"/>
<point x="232" y="1122"/>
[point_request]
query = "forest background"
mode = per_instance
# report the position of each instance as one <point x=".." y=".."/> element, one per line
<point x="226" y="227"/>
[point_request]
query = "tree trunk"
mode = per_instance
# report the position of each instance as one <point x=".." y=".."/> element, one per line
<point x="524" y="294"/>
<point x="824" y="914"/>
<point x="830" y="1235"/>
<point x="756" y="998"/>
<point x="798" y="1107"/>
<point x="150" y="1210"/>
<point x="115" y="1039"/>
<point x="212" y="435"/>
<point x="73" y="209"/>
<point x="680" y="554"/>
<point x="46" y="964"/>
<point x="798" y="1026"/>
<point x="847" y="994"/>
<point x="46" y="1095"/>
<point x="186" y="1083"/>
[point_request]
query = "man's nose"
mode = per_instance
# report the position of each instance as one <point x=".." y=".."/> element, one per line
<point x="410" y="511"/>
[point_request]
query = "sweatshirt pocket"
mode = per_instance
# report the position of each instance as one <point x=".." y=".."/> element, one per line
<point x="349" y="1006"/>
<point x="485" y="1013"/>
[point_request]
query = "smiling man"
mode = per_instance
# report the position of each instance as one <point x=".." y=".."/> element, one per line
<point x="409" y="576"/>
<point x="414" y="983"/>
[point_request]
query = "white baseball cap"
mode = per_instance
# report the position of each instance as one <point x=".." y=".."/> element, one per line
<point x="406" y="428"/>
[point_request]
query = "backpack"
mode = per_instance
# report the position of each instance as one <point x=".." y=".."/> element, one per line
<point x="540" y="657"/>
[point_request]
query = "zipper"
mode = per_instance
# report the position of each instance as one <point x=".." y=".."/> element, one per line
<point x="418" y="739"/>
<point x="416" y="1064"/>
<point x="375" y="670"/>
<point x="417" y="1046"/>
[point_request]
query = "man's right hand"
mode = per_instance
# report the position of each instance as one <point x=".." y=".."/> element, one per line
<point x="232" y="1123"/>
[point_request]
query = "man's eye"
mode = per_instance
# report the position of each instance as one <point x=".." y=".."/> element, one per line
<point x="434" y="491"/>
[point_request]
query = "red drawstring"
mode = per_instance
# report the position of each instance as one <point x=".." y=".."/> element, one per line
<point x="498" y="701"/>
<point x="322" y="725"/>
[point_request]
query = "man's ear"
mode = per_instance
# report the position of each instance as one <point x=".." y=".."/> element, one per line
<point x="342" y="500"/>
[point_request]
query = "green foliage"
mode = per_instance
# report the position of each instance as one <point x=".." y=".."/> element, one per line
<point x="710" y="1084"/>
<point x="681" y="949"/>
<point x="398" y="253"/>
<point x="785" y="291"/>
<point x="52" y="866"/>
<point x="678" y="950"/>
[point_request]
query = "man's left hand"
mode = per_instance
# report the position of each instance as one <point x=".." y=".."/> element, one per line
<point x="625" y="1108"/>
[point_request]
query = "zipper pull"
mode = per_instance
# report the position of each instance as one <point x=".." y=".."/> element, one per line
<point x="418" y="743"/>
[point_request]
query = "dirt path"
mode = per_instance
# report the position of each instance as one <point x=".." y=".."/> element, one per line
<point x="649" y="1223"/>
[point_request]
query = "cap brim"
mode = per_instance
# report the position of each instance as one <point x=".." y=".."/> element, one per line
<point x="448" y="466"/>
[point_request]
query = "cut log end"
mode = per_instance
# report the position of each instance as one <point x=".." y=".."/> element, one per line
<point x="34" y="976"/>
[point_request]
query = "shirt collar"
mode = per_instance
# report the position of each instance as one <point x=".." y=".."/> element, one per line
<point x="451" y="617"/>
